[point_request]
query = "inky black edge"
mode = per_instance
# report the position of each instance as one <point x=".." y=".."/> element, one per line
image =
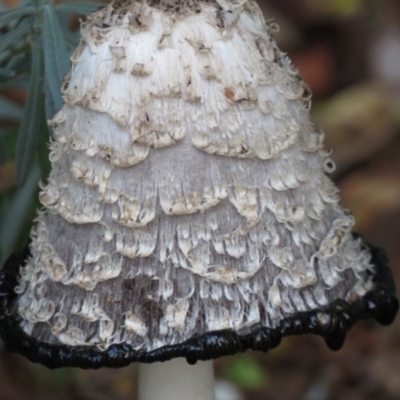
<point x="331" y="322"/>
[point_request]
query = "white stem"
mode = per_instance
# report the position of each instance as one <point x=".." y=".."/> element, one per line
<point x="176" y="380"/>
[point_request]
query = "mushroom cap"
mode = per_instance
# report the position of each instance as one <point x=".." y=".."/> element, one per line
<point x="188" y="211"/>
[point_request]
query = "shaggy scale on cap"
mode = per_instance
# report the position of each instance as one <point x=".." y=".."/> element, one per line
<point x="188" y="211"/>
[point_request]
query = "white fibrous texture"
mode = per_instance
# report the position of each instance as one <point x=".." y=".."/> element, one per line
<point x="188" y="190"/>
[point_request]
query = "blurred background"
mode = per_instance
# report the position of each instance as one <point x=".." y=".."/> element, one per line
<point x="348" y="51"/>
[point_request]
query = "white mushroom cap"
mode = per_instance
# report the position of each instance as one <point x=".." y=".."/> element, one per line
<point x="188" y="190"/>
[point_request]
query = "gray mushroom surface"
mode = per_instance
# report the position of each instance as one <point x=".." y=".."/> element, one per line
<point x="189" y="191"/>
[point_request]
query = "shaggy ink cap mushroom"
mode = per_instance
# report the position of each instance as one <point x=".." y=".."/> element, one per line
<point x="188" y="212"/>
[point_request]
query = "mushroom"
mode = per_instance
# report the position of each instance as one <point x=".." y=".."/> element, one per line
<point x="188" y="212"/>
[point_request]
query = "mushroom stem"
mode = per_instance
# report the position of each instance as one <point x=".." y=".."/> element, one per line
<point x="176" y="380"/>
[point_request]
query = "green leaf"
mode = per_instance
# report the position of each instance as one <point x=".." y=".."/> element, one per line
<point x="14" y="36"/>
<point x="19" y="64"/>
<point x="10" y="137"/>
<point x="246" y="373"/>
<point x="30" y="126"/>
<point x="43" y="148"/>
<point x="50" y="107"/>
<point x="21" y="81"/>
<point x="3" y="151"/>
<point x="14" y="53"/>
<point x="15" y="13"/>
<point x="56" y="56"/>
<point x="6" y="74"/>
<point x="72" y="39"/>
<point x="78" y="8"/>
<point x="9" y="110"/>
<point x="17" y="214"/>
<point x="36" y="3"/>
<point x="344" y="8"/>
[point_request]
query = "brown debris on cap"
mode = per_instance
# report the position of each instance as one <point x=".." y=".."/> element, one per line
<point x="188" y="197"/>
